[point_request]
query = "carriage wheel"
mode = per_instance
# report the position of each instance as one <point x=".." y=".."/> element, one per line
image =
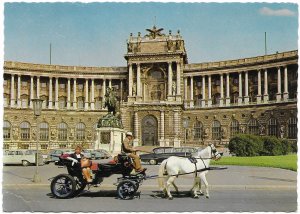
<point x="126" y="189"/>
<point x="80" y="185"/>
<point x="63" y="186"/>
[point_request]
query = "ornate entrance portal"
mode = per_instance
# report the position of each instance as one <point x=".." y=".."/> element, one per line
<point x="149" y="131"/>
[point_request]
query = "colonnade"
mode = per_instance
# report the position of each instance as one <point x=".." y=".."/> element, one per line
<point x="243" y="92"/>
<point x="89" y="92"/>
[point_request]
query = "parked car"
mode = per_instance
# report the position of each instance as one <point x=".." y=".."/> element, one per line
<point x="98" y="153"/>
<point x="53" y="156"/>
<point x="161" y="153"/>
<point x="22" y="156"/>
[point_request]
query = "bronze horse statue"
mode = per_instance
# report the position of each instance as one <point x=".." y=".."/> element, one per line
<point x="110" y="101"/>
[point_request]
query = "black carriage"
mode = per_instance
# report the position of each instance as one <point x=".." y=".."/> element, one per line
<point x="71" y="184"/>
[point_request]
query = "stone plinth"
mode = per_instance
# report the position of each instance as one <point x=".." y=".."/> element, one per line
<point x="110" y="139"/>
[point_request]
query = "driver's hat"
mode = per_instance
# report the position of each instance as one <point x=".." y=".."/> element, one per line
<point x="129" y="134"/>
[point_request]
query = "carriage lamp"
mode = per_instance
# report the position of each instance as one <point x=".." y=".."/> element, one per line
<point x="185" y="123"/>
<point x="37" y="110"/>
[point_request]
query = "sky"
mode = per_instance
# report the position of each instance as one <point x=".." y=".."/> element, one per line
<point x="95" y="34"/>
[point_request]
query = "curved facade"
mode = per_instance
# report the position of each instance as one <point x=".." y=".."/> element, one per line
<point x="163" y="99"/>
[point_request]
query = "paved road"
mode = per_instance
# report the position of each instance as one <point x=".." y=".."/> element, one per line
<point x="233" y="189"/>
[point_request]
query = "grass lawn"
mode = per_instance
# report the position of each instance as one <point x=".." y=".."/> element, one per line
<point x="283" y="162"/>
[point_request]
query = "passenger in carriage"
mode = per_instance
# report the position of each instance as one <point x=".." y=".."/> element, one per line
<point x="83" y="162"/>
<point x="127" y="148"/>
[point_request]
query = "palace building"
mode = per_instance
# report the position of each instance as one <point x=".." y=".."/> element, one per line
<point x="163" y="100"/>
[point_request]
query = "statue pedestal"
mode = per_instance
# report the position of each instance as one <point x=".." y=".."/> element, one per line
<point x="109" y="139"/>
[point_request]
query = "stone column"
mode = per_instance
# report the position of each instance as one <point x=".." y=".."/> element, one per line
<point x="121" y="91"/>
<point x="178" y="79"/>
<point x="86" y="102"/>
<point x="138" y="80"/>
<point x="278" y="95"/>
<point x="191" y="92"/>
<point x="31" y="92"/>
<point x="209" y="101"/>
<point x="130" y="80"/>
<point x="109" y="83"/>
<point x="103" y="92"/>
<point x="176" y="129"/>
<point x="286" y="91"/>
<point x="92" y="95"/>
<point x="246" y="98"/>
<point x="12" y="91"/>
<point x="162" y="128"/>
<point x="69" y="94"/>
<point x="50" y="93"/>
<point x="227" y="90"/>
<point x="56" y="92"/>
<point x="203" y="101"/>
<point x="19" y="91"/>
<point x="185" y="92"/>
<point x="266" y="95"/>
<point x="258" y="87"/>
<point x="37" y="87"/>
<point x="221" y="90"/>
<point x="240" y="98"/>
<point x="170" y="79"/>
<point x="74" y="94"/>
<point x="136" y="129"/>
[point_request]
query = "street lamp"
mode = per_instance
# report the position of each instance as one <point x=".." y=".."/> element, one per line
<point x="37" y="110"/>
<point x="185" y="123"/>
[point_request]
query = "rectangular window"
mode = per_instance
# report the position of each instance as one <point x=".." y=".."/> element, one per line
<point x="62" y="134"/>
<point x="44" y="146"/>
<point x="25" y="146"/>
<point x="24" y="103"/>
<point x="24" y="84"/>
<point x="44" y="134"/>
<point x="6" y="133"/>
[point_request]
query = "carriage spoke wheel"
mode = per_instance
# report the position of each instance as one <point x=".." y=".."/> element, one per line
<point x="126" y="190"/>
<point x="80" y="184"/>
<point x="63" y="186"/>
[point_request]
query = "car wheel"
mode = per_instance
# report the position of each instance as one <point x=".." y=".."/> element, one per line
<point x="25" y="163"/>
<point x="152" y="162"/>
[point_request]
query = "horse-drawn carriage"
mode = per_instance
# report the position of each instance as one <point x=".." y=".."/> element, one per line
<point x="71" y="184"/>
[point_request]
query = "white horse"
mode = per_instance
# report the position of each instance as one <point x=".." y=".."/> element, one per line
<point x="174" y="166"/>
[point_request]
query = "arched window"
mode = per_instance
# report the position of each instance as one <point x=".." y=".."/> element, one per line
<point x="6" y="130"/>
<point x="234" y="128"/>
<point x="80" y="131"/>
<point x="198" y="130"/>
<point x="253" y="127"/>
<point x="216" y="130"/>
<point x="25" y="131"/>
<point x="44" y="131"/>
<point x="62" y="131"/>
<point x="273" y="127"/>
<point x="292" y="128"/>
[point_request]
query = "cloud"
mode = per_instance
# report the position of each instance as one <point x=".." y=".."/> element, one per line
<point x="270" y="12"/>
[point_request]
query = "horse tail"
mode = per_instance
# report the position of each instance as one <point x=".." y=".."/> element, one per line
<point x="161" y="170"/>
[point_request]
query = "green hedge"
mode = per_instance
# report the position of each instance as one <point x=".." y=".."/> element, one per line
<point x="246" y="145"/>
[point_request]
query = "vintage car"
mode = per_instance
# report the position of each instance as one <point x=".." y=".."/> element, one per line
<point x="22" y="157"/>
<point x="161" y="153"/>
<point x="53" y="156"/>
<point x="98" y="153"/>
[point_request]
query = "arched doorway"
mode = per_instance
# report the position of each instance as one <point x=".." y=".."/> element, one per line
<point x="149" y="131"/>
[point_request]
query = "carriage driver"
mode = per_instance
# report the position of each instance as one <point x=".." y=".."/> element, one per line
<point x="128" y="149"/>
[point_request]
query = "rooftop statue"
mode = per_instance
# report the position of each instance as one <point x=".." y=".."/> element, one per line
<point x="155" y="32"/>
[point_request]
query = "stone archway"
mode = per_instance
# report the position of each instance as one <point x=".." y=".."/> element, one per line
<point x="149" y="131"/>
